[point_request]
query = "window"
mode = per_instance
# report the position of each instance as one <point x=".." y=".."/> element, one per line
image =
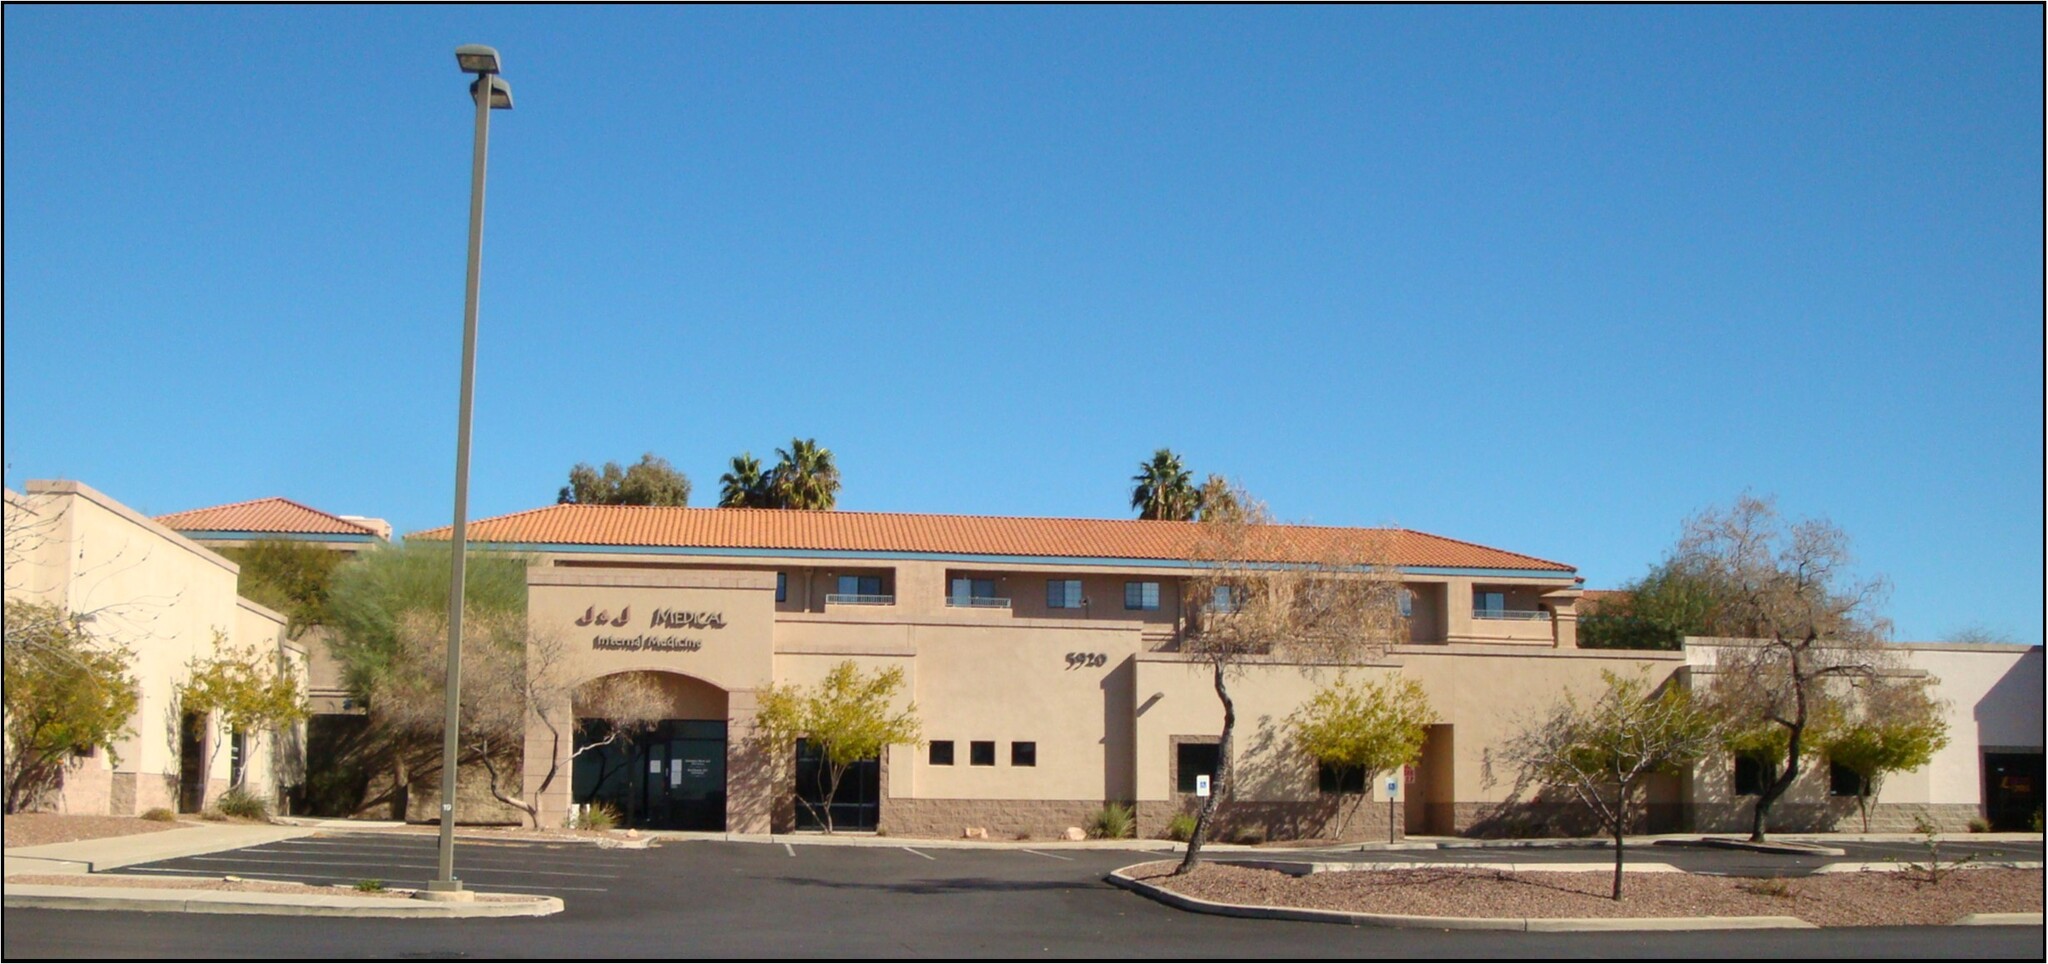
<point x="782" y="587"/>
<point x="1407" y="598"/>
<point x="1752" y="776"/>
<point x="1063" y="594"/>
<point x="1331" y="779"/>
<point x="1226" y="599"/>
<point x="942" y="753"/>
<point x="238" y="758"/>
<point x="981" y="753"/>
<point x="1024" y="754"/>
<point x="1489" y="603"/>
<point x="1842" y="781"/>
<point x="1192" y="759"/>
<point x="966" y="590"/>
<point x="860" y="585"/>
<point x="1141" y="595"/>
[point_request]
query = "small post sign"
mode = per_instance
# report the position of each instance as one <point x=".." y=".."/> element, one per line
<point x="1391" y="786"/>
<point x="1201" y="784"/>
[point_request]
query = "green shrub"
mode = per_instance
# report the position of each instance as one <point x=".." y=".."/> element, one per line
<point x="371" y="886"/>
<point x="2034" y="824"/>
<point x="1181" y="827"/>
<point x="160" y="815"/>
<point x="239" y="802"/>
<point x="1767" y="887"/>
<point x="1250" y="836"/>
<point x="1114" y="821"/>
<point x="213" y="815"/>
<point x="597" y="816"/>
<point x="1980" y="825"/>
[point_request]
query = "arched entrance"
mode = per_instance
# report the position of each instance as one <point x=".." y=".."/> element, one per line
<point x="665" y="772"/>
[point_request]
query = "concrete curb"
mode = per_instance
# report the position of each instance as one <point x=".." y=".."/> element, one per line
<point x="1794" y="847"/>
<point x="1299" y="868"/>
<point x="1526" y="924"/>
<point x="171" y="901"/>
<point x="929" y="843"/>
<point x="1947" y="866"/>
<point x="1999" y="920"/>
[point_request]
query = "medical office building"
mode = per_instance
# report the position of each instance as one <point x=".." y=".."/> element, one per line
<point x="1043" y="656"/>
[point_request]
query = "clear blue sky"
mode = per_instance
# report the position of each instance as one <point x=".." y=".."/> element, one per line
<point x="1543" y="278"/>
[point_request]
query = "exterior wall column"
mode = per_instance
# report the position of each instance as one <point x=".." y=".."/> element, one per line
<point x="543" y="751"/>
<point x="1564" y="617"/>
<point x="752" y="775"/>
<point x="1457" y="608"/>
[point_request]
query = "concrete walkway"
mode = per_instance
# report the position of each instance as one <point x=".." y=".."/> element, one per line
<point x="96" y="857"/>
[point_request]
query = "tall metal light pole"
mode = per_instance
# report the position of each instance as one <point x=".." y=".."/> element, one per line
<point x="490" y="92"/>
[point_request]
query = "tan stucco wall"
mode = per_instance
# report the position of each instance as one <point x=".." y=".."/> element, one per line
<point x="162" y="597"/>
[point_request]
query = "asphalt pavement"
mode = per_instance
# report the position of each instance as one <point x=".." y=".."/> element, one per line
<point x="793" y="899"/>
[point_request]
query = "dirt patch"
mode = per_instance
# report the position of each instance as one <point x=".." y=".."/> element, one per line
<point x="36" y="829"/>
<point x="1829" y="900"/>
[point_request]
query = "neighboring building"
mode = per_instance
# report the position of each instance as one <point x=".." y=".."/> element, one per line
<point x="166" y="599"/>
<point x="239" y="524"/>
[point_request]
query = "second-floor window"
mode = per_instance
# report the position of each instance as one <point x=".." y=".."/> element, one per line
<point x="1489" y="603"/>
<point x="782" y="587"/>
<point x="1407" y="598"/>
<point x="1063" y="594"/>
<point x="1141" y="595"/>
<point x="860" y="585"/>
<point x="966" y="591"/>
<point x="1225" y="599"/>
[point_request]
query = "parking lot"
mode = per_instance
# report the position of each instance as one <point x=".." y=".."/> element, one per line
<point x="751" y="900"/>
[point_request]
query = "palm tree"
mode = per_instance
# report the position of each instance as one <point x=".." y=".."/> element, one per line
<point x="745" y="487"/>
<point x="1165" y="490"/>
<point x="806" y="478"/>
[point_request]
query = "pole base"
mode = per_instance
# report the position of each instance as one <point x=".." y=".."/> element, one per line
<point x="445" y="890"/>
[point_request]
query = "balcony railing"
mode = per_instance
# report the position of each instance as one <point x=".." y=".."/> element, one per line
<point x="1521" y="614"/>
<point x="858" y="599"/>
<point x="977" y="602"/>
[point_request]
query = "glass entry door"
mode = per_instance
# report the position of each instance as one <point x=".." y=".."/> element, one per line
<point x="668" y="777"/>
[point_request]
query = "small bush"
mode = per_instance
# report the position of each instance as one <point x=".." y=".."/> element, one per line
<point x="2034" y="823"/>
<point x="160" y="815"/>
<point x="1768" y="887"/>
<point x="1250" y="837"/>
<point x="212" y="816"/>
<point x="238" y="802"/>
<point x="1980" y="825"/>
<point x="371" y="886"/>
<point x="597" y="816"/>
<point x="1181" y="827"/>
<point x="1022" y="835"/>
<point x="1114" y="821"/>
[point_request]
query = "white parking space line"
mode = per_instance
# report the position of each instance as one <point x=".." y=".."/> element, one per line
<point x="791" y="850"/>
<point x="1042" y="853"/>
<point x="921" y="854"/>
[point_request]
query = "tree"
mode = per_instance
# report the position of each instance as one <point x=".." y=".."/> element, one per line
<point x="1263" y="589"/>
<point x="291" y="577"/>
<point x="509" y="678"/>
<point x="1605" y="751"/>
<point x="66" y="693"/>
<point x="371" y="597"/>
<point x="1374" y="727"/>
<point x="1216" y="498"/>
<point x="847" y="716"/>
<point x="651" y="481"/>
<point x="1900" y="729"/>
<point x="746" y="486"/>
<point x="805" y="478"/>
<point x="1803" y="630"/>
<point x="1164" y="489"/>
<point x="247" y="688"/>
<point x="1655" y="612"/>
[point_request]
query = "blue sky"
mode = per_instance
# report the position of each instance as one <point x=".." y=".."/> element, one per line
<point x="1549" y="279"/>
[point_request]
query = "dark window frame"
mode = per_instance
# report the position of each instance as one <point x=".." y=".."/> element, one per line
<point x="1023" y="753"/>
<point x="1135" y="592"/>
<point x="1353" y="779"/>
<point x="782" y="587"/>
<point x="1184" y="774"/>
<point x="939" y="749"/>
<point x="981" y="753"/>
<point x="1069" y="595"/>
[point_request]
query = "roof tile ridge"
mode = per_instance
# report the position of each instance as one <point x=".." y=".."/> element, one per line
<point x="226" y="505"/>
<point x="1481" y="545"/>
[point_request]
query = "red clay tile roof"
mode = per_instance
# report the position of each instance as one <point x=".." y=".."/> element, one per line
<point x="264" y="515"/>
<point x="628" y="526"/>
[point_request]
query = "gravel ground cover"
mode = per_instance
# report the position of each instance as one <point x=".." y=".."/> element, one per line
<point x="36" y="829"/>
<point x="237" y="885"/>
<point x="1828" y="900"/>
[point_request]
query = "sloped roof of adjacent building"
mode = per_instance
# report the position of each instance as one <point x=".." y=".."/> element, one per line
<point x="277" y="516"/>
<point x="623" y="527"/>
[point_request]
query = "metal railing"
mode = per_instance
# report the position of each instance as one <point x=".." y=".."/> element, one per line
<point x="977" y="602"/>
<point x="1522" y="614"/>
<point x="858" y="599"/>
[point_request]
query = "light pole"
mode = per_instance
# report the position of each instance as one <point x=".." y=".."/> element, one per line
<point x="490" y="92"/>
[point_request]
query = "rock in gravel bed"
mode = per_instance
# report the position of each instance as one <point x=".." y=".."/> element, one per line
<point x="1829" y="900"/>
